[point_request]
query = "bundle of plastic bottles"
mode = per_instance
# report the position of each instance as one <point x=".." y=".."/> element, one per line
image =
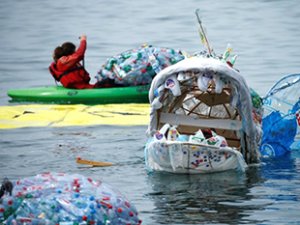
<point x="57" y="198"/>
<point x="205" y="136"/>
<point x="202" y="152"/>
<point x="138" y="66"/>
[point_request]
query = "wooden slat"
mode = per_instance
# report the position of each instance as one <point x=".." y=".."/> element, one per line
<point x="212" y="99"/>
<point x="175" y="119"/>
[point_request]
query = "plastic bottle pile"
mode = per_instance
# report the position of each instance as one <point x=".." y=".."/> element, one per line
<point x="138" y="66"/>
<point x="56" y="198"/>
<point x="201" y="152"/>
<point x="205" y="137"/>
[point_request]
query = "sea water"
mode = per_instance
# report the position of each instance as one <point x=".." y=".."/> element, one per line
<point x="263" y="33"/>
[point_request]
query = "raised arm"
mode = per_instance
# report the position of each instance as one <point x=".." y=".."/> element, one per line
<point x="71" y="60"/>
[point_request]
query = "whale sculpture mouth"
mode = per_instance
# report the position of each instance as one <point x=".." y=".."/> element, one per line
<point x="202" y="95"/>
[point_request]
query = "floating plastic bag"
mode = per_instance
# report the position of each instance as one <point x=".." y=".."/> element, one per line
<point x="56" y="198"/>
<point x="138" y="66"/>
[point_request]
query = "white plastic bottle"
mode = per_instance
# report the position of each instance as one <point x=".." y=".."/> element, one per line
<point x="119" y="72"/>
<point x="173" y="84"/>
<point x="158" y="91"/>
<point x="172" y="134"/>
<point x="156" y="104"/>
<point x="219" y="84"/>
<point x="203" y="81"/>
<point x="182" y="76"/>
<point x="160" y="134"/>
<point x="233" y="59"/>
<point x="154" y="63"/>
<point x="197" y="138"/>
<point x="227" y="52"/>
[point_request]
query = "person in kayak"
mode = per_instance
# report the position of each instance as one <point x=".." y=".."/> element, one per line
<point x="67" y="68"/>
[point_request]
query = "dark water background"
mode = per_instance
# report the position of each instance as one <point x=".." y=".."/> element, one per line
<point x="265" y="35"/>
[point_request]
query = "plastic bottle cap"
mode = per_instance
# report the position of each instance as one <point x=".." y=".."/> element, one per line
<point x="120" y="210"/>
<point x="84" y="217"/>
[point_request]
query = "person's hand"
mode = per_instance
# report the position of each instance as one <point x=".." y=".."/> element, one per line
<point x="83" y="37"/>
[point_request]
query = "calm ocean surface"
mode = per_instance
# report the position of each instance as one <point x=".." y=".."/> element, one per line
<point x="264" y="33"/>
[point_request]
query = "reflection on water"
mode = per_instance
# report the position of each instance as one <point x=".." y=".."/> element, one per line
<point x="266" y="194"/>
<point x="194" y="199"/>
<point x="230" y="197"/>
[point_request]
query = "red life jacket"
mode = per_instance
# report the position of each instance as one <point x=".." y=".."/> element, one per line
<point x="76" y="77"/>
<point x="69" y="72"/>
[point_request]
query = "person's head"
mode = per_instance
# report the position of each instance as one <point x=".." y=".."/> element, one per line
<point x="58" y="52"/>
<point x="68" y="48"/>
<point x="65" y="49"/>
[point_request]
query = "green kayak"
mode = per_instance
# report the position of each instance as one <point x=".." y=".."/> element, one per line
<point x="61" y="95"/>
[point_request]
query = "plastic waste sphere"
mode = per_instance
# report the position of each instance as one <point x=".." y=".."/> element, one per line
<point x="57" y="198"/>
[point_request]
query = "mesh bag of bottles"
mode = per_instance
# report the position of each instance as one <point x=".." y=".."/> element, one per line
<point x="138" y="66"/>
<point x="280" y="120"/>
<point x="57" y="198"/>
